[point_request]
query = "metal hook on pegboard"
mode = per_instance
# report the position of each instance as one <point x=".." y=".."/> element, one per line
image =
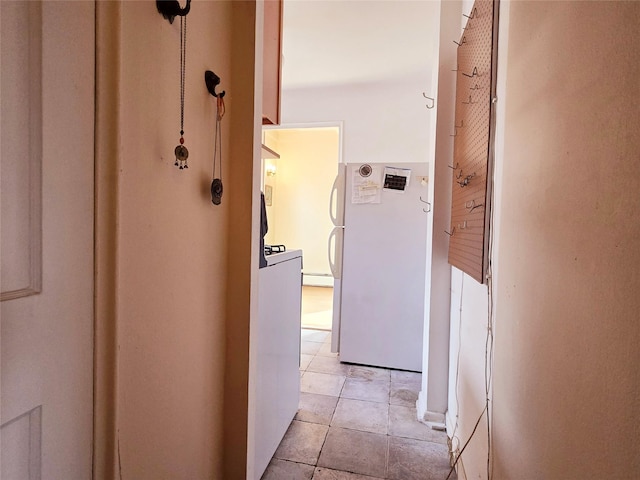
<point x="471" y="205"/>
<point x="456" y="127"/>
<point x="470" y="102"/>
<point x="465" y="181"/>
<point x="474" y="12"/>
<point x="474" y="73"/>
<point x="462" y="42"/>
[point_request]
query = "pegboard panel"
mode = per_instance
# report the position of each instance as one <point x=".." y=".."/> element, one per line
<point x="472" y="158"/>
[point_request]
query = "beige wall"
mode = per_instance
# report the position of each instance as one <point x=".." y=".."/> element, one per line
<point x="566" y="383"/>
<point x="172" y="255"/>
<point x="306" y="169"/>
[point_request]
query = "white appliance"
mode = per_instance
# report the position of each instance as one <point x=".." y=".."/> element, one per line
<point x="377" y="253"/>
<point x="277" y="378"/>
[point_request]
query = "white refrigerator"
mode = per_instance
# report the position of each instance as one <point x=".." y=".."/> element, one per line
<point x="377" y="253"/>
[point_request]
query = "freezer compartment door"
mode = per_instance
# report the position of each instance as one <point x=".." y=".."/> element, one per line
<point x="336" y="198"/>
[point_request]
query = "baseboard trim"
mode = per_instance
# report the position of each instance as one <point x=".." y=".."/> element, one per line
<point x="435" y="420"/>
<point x="317" y="280"/>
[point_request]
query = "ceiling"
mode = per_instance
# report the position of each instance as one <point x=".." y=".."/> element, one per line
<point x="336" y="42"/>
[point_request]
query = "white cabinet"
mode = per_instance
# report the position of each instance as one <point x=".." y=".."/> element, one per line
<point x="278" y="353"/>
<point x="272" y="62"/>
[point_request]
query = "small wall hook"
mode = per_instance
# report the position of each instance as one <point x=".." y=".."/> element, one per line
<point x="465" y="181"/>
<point x="473" y="74"/>
<point x="212" y="81"/>
<point x="471" y="205"/>
<point x="470" y="102"/>
<point x="453" y="230"/>
<point x="428" y="205"/>
<point x="462" y="42"/>
<point x="433" y="101"/>
<point x="170" y="9"/>
<point x="474" y="12"/>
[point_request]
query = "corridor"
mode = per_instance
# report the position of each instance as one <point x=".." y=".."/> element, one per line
<point x="356" y="423"/>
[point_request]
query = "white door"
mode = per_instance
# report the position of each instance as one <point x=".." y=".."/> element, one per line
<point x="46" y="225"/>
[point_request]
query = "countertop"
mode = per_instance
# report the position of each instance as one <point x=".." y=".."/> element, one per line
<point x="276" y="258"/>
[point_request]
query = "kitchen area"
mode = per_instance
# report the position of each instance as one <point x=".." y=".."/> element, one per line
<point x="344" y="211"/>
<point x="366" y="227"/>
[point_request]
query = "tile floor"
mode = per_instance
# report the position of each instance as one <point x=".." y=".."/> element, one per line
<point x="356" y="423"/>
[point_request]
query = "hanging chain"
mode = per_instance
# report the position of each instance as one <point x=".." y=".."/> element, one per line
<point x="183" y="64"/>
<point x="181" y="151"/>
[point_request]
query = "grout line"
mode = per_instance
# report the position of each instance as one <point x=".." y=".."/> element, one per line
<point x="386" y="460"/>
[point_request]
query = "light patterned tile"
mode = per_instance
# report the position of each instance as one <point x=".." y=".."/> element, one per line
<point x="400" y="376"/>
<point x="302" y="442"/>
<point x="353" y="451"/>
<point x="322" y="383"/>
<point x="305" y="360"/>
<point x="329" y="474"/>
<point x="360" y="415"/>
<point x="309" y="348"/>
<point x="315" y="408"/>
<point x="404" y="394"/>
<point x="328" y="365"/>
<point x="313" y="335"/>
<point x="411" y="459"/>
<point x="325" y="350"/>
<point x="369" y="390"/>
<point x="369" y="373"/>
<point x="403" y="422"/>
<point x="285" y="470"/>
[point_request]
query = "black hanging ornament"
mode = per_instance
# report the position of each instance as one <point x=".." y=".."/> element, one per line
<point x="216" y="191"/>
<point x="216" y="184"/>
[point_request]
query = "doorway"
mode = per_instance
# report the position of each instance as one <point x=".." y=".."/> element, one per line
<point x="297" y="184"/>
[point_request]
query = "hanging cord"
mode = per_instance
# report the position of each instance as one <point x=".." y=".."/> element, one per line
<point x="217" y="142"/>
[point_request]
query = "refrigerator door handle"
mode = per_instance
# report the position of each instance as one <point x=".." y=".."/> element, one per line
<point x="336" y="197"/>
<point x="334" y="193"/>
<point x="335" y="260"/>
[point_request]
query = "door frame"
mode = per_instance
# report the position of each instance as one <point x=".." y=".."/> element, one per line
<point x="105" y="447"/>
